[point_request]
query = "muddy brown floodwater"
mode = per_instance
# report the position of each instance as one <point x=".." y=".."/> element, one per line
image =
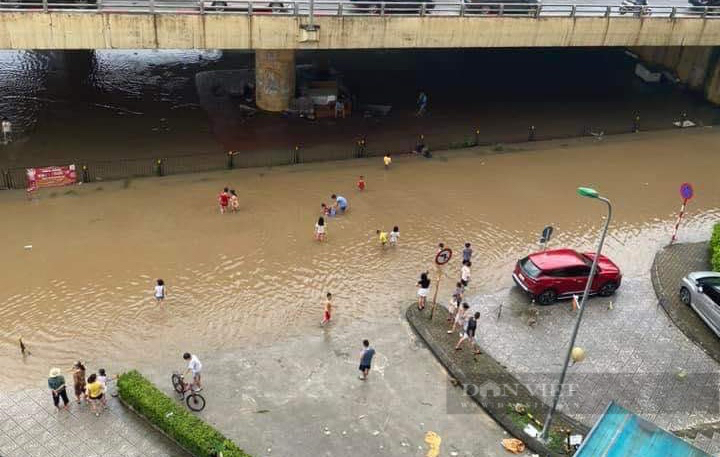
<point x="84" y="290"/>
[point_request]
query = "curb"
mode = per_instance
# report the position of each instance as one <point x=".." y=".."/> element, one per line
<point x="496" y="413"/>
<point x="154" y="427"/>
<point x="664" y="302"/>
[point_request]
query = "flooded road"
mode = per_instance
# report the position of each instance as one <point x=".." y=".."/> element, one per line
<point x="257" y="278"/>
<point x="77" y="106"/>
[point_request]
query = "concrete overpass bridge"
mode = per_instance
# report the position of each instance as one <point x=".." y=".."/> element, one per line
<point x="276" y="28"/>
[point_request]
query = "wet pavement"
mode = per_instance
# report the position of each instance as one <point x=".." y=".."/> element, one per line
<point x="636" y="355"/>
<point x="30" y="426"/>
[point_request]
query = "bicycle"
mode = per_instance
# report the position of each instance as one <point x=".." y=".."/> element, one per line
<point x="194" y="400"/>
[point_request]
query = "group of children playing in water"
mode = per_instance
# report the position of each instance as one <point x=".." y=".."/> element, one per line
<point x="228" y="200"/>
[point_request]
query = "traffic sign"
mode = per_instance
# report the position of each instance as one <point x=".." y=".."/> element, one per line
<point x="686" y="191"/>
<point x="443" y="256"/>
<point x="546" y="234"/>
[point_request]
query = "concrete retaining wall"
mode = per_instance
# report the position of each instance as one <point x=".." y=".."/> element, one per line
<point x="89" y="30"/>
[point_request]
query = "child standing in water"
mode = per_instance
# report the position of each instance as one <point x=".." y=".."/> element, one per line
<point x="361" y="183"/>
<point x="223" y="200"/>
<point x="234" y="201"/>
<point x="160" y="290"/>
<point x="394" y="236"/>
<point x="328" y="309"/>
<point x="320" y="229"/>
<point x="382" y="237"/>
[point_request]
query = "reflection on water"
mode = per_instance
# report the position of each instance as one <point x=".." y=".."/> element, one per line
<point x="74" y="105"/>
<point x="85" y="288"/>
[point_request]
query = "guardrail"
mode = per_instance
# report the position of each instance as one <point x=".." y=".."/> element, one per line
<point x="470" y="8"/>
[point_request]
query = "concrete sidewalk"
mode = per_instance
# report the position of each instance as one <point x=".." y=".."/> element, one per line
<point x="30" y="426"/>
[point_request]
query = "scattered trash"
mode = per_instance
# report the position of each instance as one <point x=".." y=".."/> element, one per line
<point x="520" y="408"/>
<point x="433" y="441"/>
<point x="530" y="430"/>
<point x="513" y="445"/>
<point x="681" y="374"/>
<point x="326" y="431"/>
<point x="363" y="416"/>
<point x="376" y="432"/>
<point x="404" y="444"/>
<point x="576" y="440"/>
<point x="610" y="305"/>
<point x="344" y="433"/>
<point x="28" y="246"/>
<point x="169" y="414"/>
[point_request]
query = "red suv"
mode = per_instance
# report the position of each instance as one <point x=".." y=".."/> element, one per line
<point x="549" y="275"/>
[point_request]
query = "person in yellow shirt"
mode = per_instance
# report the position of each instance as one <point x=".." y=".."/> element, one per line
<point x="387" y="160"/>
<point x="382" y="237"/>
<point x="94" y="390"/>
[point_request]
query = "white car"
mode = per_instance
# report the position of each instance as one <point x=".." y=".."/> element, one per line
<point x="701" y="290"/>
<point x="244" y="6"/>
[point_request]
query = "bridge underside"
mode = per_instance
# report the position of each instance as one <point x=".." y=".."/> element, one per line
<point x="97" y="30"/>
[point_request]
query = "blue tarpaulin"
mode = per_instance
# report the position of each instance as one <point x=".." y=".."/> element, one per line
<point x="620" y="433"/>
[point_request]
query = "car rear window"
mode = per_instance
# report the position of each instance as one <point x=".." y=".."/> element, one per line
<point x="529" y="268"/>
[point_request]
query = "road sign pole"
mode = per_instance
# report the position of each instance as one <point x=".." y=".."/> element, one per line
<point x="437" y="287"/>
<point x="677" y="224"/>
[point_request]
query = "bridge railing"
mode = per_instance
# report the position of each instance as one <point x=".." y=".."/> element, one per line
<point x="469" y="8"/>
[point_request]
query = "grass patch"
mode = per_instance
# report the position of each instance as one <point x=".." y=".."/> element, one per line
<point x="715" y="248"/>
<point x="196" y="436"/>
<point x="558" y="437"/>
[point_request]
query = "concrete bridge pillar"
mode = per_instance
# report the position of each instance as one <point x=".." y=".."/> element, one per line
<point x="274" y="79"/>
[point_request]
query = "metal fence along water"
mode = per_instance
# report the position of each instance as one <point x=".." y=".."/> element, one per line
<point x="469" y="8"/>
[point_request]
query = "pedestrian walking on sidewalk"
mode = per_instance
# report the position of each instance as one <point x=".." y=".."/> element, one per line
<point x="79" y="380"/>
<point x="366" y="357"/>
<point x="469" y="331"/>
<point x="327" y="312"/>
<point x="95" y="394"/>
<point x="56" y="383"/>
<point x="460" y="317"/>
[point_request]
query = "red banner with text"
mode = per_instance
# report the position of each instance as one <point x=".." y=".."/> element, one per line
<point x="50" y="177"/>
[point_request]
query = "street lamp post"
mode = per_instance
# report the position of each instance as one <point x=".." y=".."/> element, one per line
<point x="590" y="193"/>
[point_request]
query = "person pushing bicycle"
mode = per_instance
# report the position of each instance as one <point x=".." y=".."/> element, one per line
<point x="194" y="367"/>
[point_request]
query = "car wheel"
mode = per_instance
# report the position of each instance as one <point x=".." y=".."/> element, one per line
<point x="608" y="289"/>
<point x="684" y="296"/>
<point x="547" y="297"/>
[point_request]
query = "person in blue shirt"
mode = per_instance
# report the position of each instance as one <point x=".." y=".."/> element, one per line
<point x="340" y="203"/>
<point x="366" y="357"/>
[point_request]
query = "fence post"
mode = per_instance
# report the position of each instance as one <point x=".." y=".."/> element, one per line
<point x="295" y="159"/>
<point x="636" y="123"/>
<point x="230" y="163"/>
<point x="8" y="179"/>
<point x="45" y="5"/>
<point x="201" y="3"/>
<point x="340" y="9"/>
<point x="537" y="10"/>
<point x="3" y="183"/>
<point x="477" y="137"/>
<point x="152" y="6"/>
<point x="159" y="167"/>
<point x="673" y="12"/>
<point x="573" y="11"/>
<point x="608" y="11"/>
<point x="531" y="133"/>
<point x="85" y="174"/>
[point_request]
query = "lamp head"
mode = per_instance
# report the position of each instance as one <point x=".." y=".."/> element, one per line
<point x="588" y="192"/>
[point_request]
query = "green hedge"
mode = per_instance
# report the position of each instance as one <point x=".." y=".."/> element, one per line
<point x="715" y="248"/>
<point x="174" y="418"/>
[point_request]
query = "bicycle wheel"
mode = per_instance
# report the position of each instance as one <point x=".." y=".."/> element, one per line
<point x="195" y="402"/>
<point x="177" y="383"/>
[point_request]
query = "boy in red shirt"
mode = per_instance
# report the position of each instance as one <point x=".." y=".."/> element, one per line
<point x="224" y="199"/>
<point x="361" y="183"/>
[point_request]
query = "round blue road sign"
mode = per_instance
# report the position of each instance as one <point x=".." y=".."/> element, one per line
<point x="686" y="191"/>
